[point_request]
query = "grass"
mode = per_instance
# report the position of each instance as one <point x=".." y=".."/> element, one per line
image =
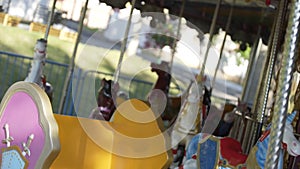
<point x="22" y="42"/>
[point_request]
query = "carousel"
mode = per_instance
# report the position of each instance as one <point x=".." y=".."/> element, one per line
<point x="186" y="131"/>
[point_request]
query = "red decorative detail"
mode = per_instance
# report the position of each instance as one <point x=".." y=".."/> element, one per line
<point x="264" y="135"/>
<point x="284" y="146"/>
<point x="204" y="111"/>
<point x="294" y="144"/>
<point x="194" y="156"/>
<point x="231" y="150"/>
<point x="40" y="51"/>
<point x="44" y="80"/>
<point x="174" y="151"/>
<point x="268" y="2"/>
<point x="181" y="167"/>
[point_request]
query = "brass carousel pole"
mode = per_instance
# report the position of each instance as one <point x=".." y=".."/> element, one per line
<point x="248" y="134"/>
<point x="124" y="43"/>
<point x="290" y="47"/>
<point x="177" y="35"/>
<point x="36" y="75"/>
<point x="50" y="19"/>
<point x="223" y="43"/>
<point x="72" y="62"/>
<point x="263" y="92"/>
<point x="254" y="55"/>
<point x="211" y="32"/>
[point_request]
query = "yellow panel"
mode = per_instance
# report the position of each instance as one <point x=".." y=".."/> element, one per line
<point x="138" y="141"/>
<point x="78" y="151"/>
<point x="128" y="138"/>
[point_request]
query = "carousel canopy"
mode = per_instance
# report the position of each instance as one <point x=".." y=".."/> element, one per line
<point x="248" y="15"/>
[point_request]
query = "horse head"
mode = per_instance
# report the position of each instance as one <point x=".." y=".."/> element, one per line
<point x="40" y="50"/>
<point x="164" y="76"/>
<point x="291" y="144"/>
<point x="163" y="66"/>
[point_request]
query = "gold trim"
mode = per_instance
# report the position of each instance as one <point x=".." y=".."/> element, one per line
<point x="167" y="137"/>
<point x="47" y="120"/>
<point x="169" y="160"/>
<point x="218" y="150"/>
<point x="20" y="153"/>
<point x="227" y="165"/>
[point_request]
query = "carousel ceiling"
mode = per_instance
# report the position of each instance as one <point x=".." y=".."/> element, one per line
<point x="248" y="15"/>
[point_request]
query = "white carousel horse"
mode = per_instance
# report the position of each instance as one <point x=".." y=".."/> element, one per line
<point x="211" y="152"/>
<point x="188" y="122"/>
<point x="35" y="74"/>
<point x="185" y="127"/>
<point x="39" y="58"/>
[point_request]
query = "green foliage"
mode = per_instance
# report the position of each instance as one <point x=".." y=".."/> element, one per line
<point x="163" y="40"/>
<point x="246" y="54"/>
<point x="165" y="35"/>
<point x="243" y="55"/>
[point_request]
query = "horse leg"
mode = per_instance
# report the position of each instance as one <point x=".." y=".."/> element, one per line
<point x="294" y="162"/>
<point x="180" y="154"/>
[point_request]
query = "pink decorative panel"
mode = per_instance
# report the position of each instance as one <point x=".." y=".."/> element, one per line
<point x="22" y="116"/>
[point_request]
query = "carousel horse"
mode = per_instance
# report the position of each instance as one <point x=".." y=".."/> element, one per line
<point x="35" y="74"/>
<point x="186" y="125"/>
<point x="294" y="162"/>
<point x="185" y="116"/>
<point x="164" y="77"/>
<point x="223" y="128"/>
<point x="160" y="91"/>
<point x="174" y="103"/>
<point x="224" y="152"/>
<point x="190" y="118"/>
<point x="105" y="100"/>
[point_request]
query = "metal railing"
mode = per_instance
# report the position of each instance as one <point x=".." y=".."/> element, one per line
<point x="15" y="67"/>
<point x="242" y="131"/>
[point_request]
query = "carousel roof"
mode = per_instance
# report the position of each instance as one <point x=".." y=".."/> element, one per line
<point x="248" y="15"/>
